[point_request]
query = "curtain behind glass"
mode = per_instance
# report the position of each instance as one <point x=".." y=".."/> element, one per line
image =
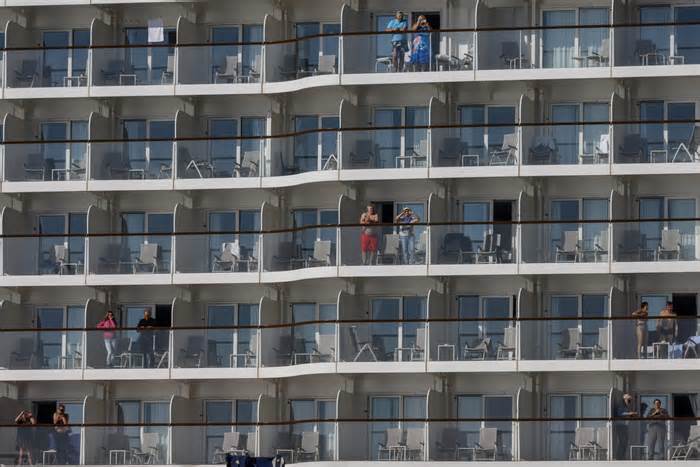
<point x="558" y="44"/>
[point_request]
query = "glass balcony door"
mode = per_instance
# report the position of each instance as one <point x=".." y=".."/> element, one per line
<point x="153" y="158"/>
<point x="150" y="224"/>
<point x="223" y="343"/>
<point x="305" y="239"/>
<point x="64" y="161"/>
<point x="659" y="208"/>
<point x="489" y="409"/>
<point x="559" y="45"/>
<point x="226" y="37"/>
<point x="306" y="337"/>
<point x="148" y="64"/>
<point x="59" y="225"/>
<point x="231" y="412"/>
<point x="55" y="346"/>
<point x="562" y="432"/>
<point x="566" y="213"/>
<point x="252" y="54"/>
<point x="587" y="313"/>
<point x="478" y="311"/>
<point x="658" y="37"/>
<point x="686" y="42"/>
<point x="566" y="136"/>
<point x="394" y="338"/>
<point x="393" y="408"/>
<point x="310" y="409"/>
<point x="220" y="222"/>
<point x="312" y="150"/>
<point x="397" y="148"/>
<point x="481" y="139"/>
<point x="308" y="50"/>
<point x="223" y="153"/>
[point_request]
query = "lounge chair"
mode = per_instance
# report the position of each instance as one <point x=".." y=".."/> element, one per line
<point x="232" y="444"/>
<point x="582" y="448"/>
<point x="490" y="249"/>
<point x="691" y="448"/>
<point x="648" y="54"/>
<point x="415" y="444"/>
<point x="148" y="452"/>
<point x="27" y="74"/>
<point x="506" y="350"/>
<point x="321" y="254"/>
<point x="452" y="442"/>
<point x="511" y="56"/>
<point x="230" y="72"/>
<point x="325" y="348"/>
<point x="364" y="154"/>
<point x="487" y="447"/>
<point x="477" y="351"/>
<point x="63" y="263"/>
<point x="285" y="257"/>
<point x="506" y="155"/>
<point x="168" y="75"/>
<point x="309" y="446"/>
<point x="544" y="150"/>
<point x="570" y="343"/>
<point x="193" y="352"/>
<point x="633" y="149"/>
<point x="361" y="347"/>
<point x="149" y="256"/>
<point x="670" y="245"/>
<point x="418" y="348"/>
<point x="35" y="167"/>
<point x="390" y="249"/>
<point x="228" y="259"/>
<point x="451" y="153"/>
<point x="326" y="65"/>
<point x="394" y="445"/>
<point x="568" y="249"/>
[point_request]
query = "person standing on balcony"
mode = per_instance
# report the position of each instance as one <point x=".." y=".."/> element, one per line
<point x="25" y="437"/>
<point x="420" y="58"/>
<point x="109" y="324"/>
<point x="369" y="236"/>
<point x="640" y="329"/>
<point x="407" y="237"/>
<point x="656" y="431"/>
<point x="622" y="426"/>
<point x="61" y="434"/>
<point x="399" y="46"/>
<point x="146" y="336"/>
<point x="667" y="325"/>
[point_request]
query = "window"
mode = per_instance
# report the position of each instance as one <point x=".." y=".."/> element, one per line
<point x="660" y="208"/>
<point x="148" y="64"/>
<point x="567" y="213"/>
<point x="569" y="47"/>
<point x="312" y="149"/>
<point x="481" y="140"/>
<point x="305" y="239"/>
<point x="306" y="336"/>
<point x="562" y="432"/>
<point x="57" y="348"/>
<point x="584" y="313"/>
<point x="393" y="338"/>
<point x="134" y="412"/>
<point x="658" y="36"/>
<point x="59" y="225"/>
<point x="397" y="148"/>
<point x="489" y="409"/>
<point x="662" y="140"/>
<point x="232" y="347"/>
<point x="309" y="409"/>
<point x="229" y="412"/>
<point x="66" y="160"/>
<point x="393" y="408"/>
<point x="154" y="158"/>
<point x="486" y="310"/>
<point x="59" y="60"/>
<point x="249" y="221"/>
<point x="151" y="224"/>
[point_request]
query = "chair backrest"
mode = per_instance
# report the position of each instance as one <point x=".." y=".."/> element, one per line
<point x="510" y="49"/>
<point x="231" y="65"/>
<point x="117" y="441"/>
<point x="326" y="343"/>
<point x="602" y="240"/>
<point x="694" y="435"/>
<point x="420" y="338"/>
<point x="670" y="239"/>
<point x="286" y="250"/>
<point x="253" y="343"/>
<point x="645" y="46"/>
<point x="604" y="144"/>
<point x="25" y="348"/>
<point x="422" y="148"/>
<point x="414" y="438"/>
<point x="453" y="242"/>
<point x="29" y="67"/>
<point x="573" y="336"/>
<point x="195" y="344"/>
<point x="601" y="437"/>
<point x="510" y="141"/>
<point x="569" y="240"/>
<point x="509" y="337"/>
<point x="232" y="249"/>
<point x="391" y="244"/>
<point x="488" y="241"/>
<point x="326" y="63"/>
<point x="309" y="441"/>
<point x="286" y="344"/>
<point x="364" y="148"/>
<point x="149" y="441"/>
<point x="603" y="338"/>
<point x="148" y="253"/>
<point x="60" y="253"/>
<point x="254" y="253"/>
<point x="604" y="50"/>
<point x="584" y="436"/>
<point x="257" y="63"/>
<point x="632" y="143"/>
<point x="123" y="345"/>
<point x="170" y="64"/>
<point x="355" y="338"/>
<point x="452" y="148"/>
<point x="114" y="66"/>
<point x="232" y="440"/>
<point x="394" y="436"/>
<point x="488" y="437"/>
<point x="322" y="250"/>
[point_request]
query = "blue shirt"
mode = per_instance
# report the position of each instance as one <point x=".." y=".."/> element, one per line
<point x="396" y="24"/>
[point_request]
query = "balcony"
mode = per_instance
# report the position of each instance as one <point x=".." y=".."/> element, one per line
<point x="432" y="344"/>
<point x="505" y="439"/>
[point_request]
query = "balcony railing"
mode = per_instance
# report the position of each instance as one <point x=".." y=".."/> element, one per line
<point x="431" y="340"/>
<point x="601" y="439"/>
<point x="591" y="242"/>
<point x="505" y="148"/>
<point x="551" y="46"/>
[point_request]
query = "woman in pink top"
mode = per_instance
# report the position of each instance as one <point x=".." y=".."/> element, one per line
<point x="108" y="322"/>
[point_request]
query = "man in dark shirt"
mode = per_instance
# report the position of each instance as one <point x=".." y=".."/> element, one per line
<point x="656" y="431"/>
<point x="146" y="335"/>
<point x="622" y="428"/>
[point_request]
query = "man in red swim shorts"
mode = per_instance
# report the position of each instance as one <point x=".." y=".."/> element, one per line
<point x="369" y="238"/>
